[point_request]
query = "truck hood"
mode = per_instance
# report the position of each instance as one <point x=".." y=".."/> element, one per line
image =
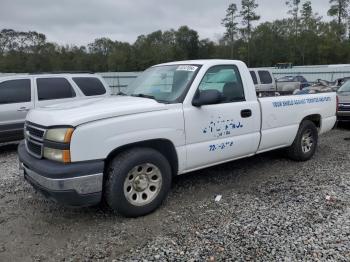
<point x="82" y="111"/>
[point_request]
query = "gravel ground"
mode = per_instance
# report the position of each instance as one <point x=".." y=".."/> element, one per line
<point x="271" y="209"/>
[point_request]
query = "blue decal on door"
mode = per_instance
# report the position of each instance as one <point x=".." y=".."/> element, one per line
<point x="220" y="146"/>
<point x="221" y="127"/>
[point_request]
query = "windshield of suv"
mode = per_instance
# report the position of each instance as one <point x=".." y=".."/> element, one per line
<point x="163" y="83"/>
<point x="345" y="88"/>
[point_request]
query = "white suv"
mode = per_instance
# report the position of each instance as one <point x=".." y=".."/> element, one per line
<point x="21" y="93"/>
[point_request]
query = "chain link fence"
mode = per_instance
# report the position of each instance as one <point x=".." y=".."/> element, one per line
<point x="119" y="81"/>
<point x="312" y="73"/>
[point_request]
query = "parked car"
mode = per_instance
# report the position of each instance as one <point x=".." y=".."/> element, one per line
<point x="21" y="93"/>
<point x="344" y="102"/>
<point x="263" y="80"/>
<point x="288" y="84"/>
<point x="175" y="118"/>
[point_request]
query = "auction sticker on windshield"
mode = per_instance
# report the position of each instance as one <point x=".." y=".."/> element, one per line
<point x="187" y="68"/>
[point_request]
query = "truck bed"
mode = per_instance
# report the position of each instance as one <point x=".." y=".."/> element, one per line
<point x="281" y="116"/>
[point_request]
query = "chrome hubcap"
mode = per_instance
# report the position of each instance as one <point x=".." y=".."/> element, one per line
<point x="307" y="141"/>
<point x="142" y="184"/>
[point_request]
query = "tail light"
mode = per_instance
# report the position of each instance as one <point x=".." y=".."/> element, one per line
<point x="337" y="105"/>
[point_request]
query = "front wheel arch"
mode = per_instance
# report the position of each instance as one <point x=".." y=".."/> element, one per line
<point x="163" y="146"/>
<point x="121" y="175"/>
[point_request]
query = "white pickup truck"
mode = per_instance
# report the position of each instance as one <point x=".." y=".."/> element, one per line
<point x="176" y="118"/>
<point x="265" y="83"/>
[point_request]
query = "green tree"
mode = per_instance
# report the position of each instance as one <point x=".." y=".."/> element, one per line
<point x="306" y="14"/>
<point x="186" y="43"/>
<point x="154" y="48"/>
<point x="339" y="10"/>
<point x="294" y="7"/>
<point x="206" y="49"/>
<point x="309" y="26"/>
<point x="270" y="40"/>
<point x="99" y="51"/>
<point x="231" y="25"/>
<point x="248" y="15"/>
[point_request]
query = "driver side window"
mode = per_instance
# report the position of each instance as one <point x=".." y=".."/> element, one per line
<point x="225" y="79"/>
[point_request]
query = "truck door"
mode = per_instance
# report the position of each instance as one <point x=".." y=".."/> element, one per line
<point x="15" y="102"/>
<point x="224" y="131"/>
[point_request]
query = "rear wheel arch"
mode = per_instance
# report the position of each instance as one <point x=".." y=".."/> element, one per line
<point x="307" y="136"/>
<point x="315" y="118"/>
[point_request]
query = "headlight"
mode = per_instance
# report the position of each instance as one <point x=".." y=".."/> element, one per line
<point x="57" y="155"/>
<point x="61" y="135"/>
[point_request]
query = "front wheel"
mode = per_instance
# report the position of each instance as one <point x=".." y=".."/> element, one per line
<point x="137" y="182"/>
<point x="305" y="143"/>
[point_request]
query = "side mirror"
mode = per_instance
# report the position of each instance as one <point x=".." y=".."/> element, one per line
<point x="207" y="97"/>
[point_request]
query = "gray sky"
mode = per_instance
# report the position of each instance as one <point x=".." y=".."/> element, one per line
<point x="81" y="21"/>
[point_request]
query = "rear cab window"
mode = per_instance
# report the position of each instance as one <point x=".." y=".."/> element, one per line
<point x="265" y="77"/>
<point x="90" y="86"/>
<point x="54" y="88"/>
<point x="15" y="91"/>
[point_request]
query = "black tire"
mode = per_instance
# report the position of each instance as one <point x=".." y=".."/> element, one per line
<point x="295" y="151"/>
<point x="118" y="173"/>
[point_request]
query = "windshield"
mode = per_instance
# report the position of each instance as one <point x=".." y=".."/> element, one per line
<point x="163" y="83"/>
<point x="345" y="87"/>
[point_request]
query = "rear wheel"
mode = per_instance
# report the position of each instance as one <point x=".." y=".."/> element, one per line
<point x="137" y="182"/>
<point x="305" y="143"/>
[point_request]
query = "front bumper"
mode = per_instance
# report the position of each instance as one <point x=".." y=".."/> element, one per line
<point x="76" y="184"/>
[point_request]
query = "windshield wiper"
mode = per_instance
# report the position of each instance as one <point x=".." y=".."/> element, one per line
<point x="144" y="96"/>
<point x="121" y="94"/>
<point x="150" y="97"/>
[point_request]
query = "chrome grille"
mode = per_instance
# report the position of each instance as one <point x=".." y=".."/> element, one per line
<point x="34" y="139"/>
<point x="34" y="148"/>
<point x="39" y="133"/>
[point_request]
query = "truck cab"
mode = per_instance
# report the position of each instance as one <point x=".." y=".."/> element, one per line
<point x="264" y="81"/>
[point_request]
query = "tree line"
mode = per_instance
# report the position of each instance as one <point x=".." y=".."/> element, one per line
<point x="302" y="38"/>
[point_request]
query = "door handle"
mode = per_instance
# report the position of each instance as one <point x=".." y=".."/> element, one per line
<point x="23" y="109"/>
<point x="246" y="113"/>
